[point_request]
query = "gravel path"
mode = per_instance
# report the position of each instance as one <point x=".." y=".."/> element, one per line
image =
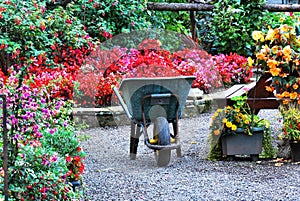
<point x="111" y="175"/>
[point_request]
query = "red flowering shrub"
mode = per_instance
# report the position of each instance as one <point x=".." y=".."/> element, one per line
<point x="149" y="60"/>
<point x="75" y="165"/>
<point x="233" y="68"/>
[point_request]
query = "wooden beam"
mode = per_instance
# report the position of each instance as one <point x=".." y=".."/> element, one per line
<point x="282" y="7"/>
<point x="179" y="6"/>
<point x="208" y="7"/>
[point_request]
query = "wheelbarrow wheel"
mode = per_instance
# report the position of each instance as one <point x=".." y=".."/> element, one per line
<point x="162" y="130"/>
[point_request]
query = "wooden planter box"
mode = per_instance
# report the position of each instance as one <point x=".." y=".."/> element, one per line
<point x="243" y="144"/>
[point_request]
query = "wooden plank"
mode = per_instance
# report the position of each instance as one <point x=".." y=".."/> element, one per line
<point x="242" y="91"/>
<point x="233" y="89"/>
<point x="209" y="7"/>
<point x="179" y="6"/>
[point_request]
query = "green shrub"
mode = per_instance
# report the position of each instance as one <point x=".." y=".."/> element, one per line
<point x="229" y="26"/>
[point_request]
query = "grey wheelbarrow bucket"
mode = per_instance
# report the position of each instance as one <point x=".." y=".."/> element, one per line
<point x="157" y="101"/>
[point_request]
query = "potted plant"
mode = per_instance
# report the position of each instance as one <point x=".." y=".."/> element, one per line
<point x="236" y="130"/>
<point x="291" y="129"/>
<point x="278" y="54"/>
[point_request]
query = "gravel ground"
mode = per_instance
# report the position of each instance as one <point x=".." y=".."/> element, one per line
<point x="111" y="175"/>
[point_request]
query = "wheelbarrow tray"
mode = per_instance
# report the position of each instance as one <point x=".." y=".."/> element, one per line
<point x="134" y="89"/>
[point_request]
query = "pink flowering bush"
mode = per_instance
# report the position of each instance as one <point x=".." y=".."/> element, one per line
<point x="233" y="68"/>
<point x="41" y="139"/>
<point x="148" y="59"/>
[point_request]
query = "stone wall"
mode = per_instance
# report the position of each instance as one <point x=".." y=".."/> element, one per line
<point x="115" y="115"/>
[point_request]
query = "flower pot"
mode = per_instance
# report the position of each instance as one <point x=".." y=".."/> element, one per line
<point x="295" y="151"/>
<point x="240" y="143"/>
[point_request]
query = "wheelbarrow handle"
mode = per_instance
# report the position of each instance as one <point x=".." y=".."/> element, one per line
<point x="123" y="104"/>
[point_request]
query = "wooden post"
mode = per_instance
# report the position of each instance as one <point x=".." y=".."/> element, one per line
<point x="193" y="25"/>
<point x="5" y="148"/>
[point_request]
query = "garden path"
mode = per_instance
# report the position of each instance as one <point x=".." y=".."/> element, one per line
<point x="110" y="175"/>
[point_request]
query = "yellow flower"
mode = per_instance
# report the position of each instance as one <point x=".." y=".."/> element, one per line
<point x="275" y="49"/>
<point x="287" y="58"/>
<point x="281" y="19"/>
<point x="257" y="35"/>
<point x="234" y="127"/>
<point x="246" y="121"/>
<point x="224" y="120"/>
<point x="219" y="110"/>
<point x="250" y="61"/>
<point x="287" y="50"/>
<point x="217" y="132"/>
<point x="270" y="35"/>
<point x="228" y="124"/>
<point x="284" y="28"/>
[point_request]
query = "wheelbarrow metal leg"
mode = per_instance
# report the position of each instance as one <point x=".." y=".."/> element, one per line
<point x="175" y="129"/>
<point x="134" y="140"/>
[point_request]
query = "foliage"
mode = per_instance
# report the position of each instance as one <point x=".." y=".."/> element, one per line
<point x="278" y="54"/>
<point x="291" y="122"/>
<point x="178" y="21"/>
<point x="237" y="119"/>
<point x="227" y="120"/>
<point x="104" y="19"/>
<point x="234" y="68"/>
<point x="29" y="29"/>
<point x="230" y="26"/>
<point x="276" y="19"/>
<point x="38" y="167"/>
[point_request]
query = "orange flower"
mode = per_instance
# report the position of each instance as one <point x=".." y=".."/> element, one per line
<point x="268" y="88"/>
<point x="280" y="96"/>
<point x="287" y="50"/>
<point x="272" y="63"/>
<point x="293" y="95"/>
<point x="217" y="132"/>
<point x="261" y="56"/>
<point x="295" y="86"/>
<point x="286" y="101"/>
<point x="275" y="71"/>
<point x="286" y="94"/>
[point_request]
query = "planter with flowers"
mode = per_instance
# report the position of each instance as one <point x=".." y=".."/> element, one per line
<point x="278" y="54"/>
<point x="235" y="130"/>
<point x="291" y="129"/>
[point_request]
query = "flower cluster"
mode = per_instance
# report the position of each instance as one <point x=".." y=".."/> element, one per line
<point x="234" y="68"/>
<point x="277" y="54"/>
<point x="150" y="60"/>
<point x="75" y="166"/>
<point x="40" y="134"/>
<point x="238" y="119"/>
<point x="239" y="116"/>
<point x="291" y="123"/>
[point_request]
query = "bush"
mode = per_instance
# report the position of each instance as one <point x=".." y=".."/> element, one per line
<point x="229" y="27"/>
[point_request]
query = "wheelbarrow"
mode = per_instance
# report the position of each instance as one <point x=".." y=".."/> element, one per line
<point x="156" y="101"/>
